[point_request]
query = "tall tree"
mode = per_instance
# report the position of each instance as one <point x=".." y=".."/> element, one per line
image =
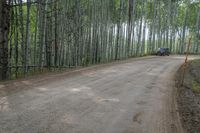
<point x="4" y="32"/>
<point x="54" y="34"/>
<point x="27" y="36"/>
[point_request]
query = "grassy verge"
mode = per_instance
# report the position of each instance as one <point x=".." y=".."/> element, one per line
<point x="194" y="70"/>
<point x="196" y="86"/>
<point x="189" y="97"/>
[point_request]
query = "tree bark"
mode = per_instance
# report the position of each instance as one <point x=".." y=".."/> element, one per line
<point x="197" y="33"/>
<point x="4" y="32"/>
<point x="27" y="37"/>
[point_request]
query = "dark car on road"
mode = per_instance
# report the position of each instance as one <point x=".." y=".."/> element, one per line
<point x="163" y="52"/>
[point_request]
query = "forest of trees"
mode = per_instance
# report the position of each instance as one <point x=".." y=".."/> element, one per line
<point x="38" y="35"/>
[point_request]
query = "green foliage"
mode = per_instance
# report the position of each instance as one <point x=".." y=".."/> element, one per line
<point x="196" y="86"/>
<point x="65" y="33"/>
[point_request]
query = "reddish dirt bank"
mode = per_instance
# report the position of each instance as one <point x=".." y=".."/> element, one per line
<point x="189" y="97"/>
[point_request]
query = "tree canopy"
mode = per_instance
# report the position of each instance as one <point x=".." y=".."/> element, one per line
<point x="54" y="34"/>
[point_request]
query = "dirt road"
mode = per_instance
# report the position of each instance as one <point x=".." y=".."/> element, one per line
<point x="134" y="96"/>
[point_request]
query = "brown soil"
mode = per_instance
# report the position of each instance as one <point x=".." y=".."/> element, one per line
<point x="132" y="96"/>
<point x="189" y="97"/>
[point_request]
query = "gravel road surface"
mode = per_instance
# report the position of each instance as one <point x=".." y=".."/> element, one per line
<point x="132" y="96"/>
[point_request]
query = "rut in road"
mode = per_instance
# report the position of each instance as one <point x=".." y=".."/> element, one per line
<point x="134" y="96"/>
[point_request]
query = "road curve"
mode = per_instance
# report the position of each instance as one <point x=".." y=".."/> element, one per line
<point x="134" y="96"/>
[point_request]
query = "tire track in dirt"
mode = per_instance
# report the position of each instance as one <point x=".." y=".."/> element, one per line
<point x="133" y="96"/>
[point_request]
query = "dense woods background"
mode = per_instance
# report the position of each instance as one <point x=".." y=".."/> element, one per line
<point x="40" y="35"/>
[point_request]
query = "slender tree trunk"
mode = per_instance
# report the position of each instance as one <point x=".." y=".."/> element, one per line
<point x="27" y="37"/>
<point x="21" y="16"/>
<point x="144" y="32"/>
<point x="197" y="36"/>
<point x="154" y="26"/>
<point x="4" y="32"/>
<point x="150" y="32"/>
<point x="55" y="35"/>
<point x="139" y="45"/>
<point x="130" y="15"/>
<point x="168" y="22"/>
<point x="118" y="32"/>
<point x="183" y="43"/>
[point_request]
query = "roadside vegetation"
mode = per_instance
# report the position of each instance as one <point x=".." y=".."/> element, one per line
<point x="195" y="71"/>
<point x="189" y="97"/>
<point x="48" y="35"/>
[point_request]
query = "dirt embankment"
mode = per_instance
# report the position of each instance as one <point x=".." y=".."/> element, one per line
<point x="189" y="96"/>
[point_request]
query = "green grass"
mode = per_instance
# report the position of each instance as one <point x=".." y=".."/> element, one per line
<point x="195" y="82"/>
<point x="195" y="86"/>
